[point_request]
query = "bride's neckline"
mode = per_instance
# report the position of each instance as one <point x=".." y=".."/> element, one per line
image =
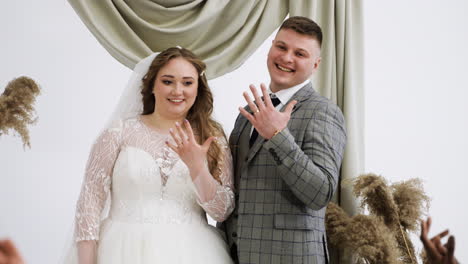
<point x="157" y="130"/>
<point x="152" y="128"/>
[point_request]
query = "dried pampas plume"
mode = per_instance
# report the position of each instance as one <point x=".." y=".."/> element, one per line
<point x="382" y="236"/>
<point x="365" y="235"/>
<point x="16" y="107"/>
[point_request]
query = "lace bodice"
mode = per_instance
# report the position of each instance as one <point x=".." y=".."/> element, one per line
<point x="147" y="182"/>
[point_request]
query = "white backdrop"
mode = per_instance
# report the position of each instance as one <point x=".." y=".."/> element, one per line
<point x="416" y="102"/>
<point x="415" y="92"/>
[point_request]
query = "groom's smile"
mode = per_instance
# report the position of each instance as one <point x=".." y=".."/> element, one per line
<point x="292" y="59"/>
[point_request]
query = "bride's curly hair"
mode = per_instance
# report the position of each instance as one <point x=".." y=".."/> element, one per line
<point x="199" y="114"/>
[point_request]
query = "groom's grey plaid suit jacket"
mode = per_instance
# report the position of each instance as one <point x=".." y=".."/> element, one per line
<point x="283" y="185"/>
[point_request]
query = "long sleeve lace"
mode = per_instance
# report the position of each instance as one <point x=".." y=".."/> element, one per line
<point x="96" y="185"/>
<point x="217" y="199"/>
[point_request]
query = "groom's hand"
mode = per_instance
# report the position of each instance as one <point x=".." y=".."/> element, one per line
<point x="265" y="118"/>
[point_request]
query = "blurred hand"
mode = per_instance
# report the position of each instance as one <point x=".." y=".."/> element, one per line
<point x="9" y="254"/>
<point x="436" y="252"/>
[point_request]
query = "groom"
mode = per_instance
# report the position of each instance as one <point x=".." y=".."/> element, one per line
<point x="287" y="153"/>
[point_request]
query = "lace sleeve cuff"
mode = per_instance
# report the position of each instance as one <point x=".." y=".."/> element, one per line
<point x="218" y="198"/>
<point x="222" y="204"/>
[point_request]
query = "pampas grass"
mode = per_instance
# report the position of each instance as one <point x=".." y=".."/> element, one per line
<point x="367" y="236"/>
<point x="16" y="107"/>
<point x="411" y="202"/>
<point x="383" y="235"/>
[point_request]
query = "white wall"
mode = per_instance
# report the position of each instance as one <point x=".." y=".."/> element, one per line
<point x="80" y="83"/>
<point x="414" y="110"/>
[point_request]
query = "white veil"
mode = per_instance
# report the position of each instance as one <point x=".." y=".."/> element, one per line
<point x="130" y="103"/>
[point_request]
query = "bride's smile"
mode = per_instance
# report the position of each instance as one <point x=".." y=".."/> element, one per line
<point x="175" y="89"/>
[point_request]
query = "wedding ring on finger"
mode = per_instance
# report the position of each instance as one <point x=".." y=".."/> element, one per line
<point x="257" y="111"/>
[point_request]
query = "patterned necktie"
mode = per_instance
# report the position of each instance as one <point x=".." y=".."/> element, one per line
<point x="276" y="101"/>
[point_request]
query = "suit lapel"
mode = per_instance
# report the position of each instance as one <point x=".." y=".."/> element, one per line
<point x="239" y="126"/>
<point x="300" y="96"/>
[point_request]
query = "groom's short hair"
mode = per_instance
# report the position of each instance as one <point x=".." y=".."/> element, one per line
<point x="303" y="26"/>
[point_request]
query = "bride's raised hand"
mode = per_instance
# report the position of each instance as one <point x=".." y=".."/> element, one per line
<point x="192" y="154"/>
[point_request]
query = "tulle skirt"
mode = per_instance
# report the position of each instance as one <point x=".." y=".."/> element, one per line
<point x="137" y="243"/>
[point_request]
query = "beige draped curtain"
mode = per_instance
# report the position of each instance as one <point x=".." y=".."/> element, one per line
<point x="224" y="33"/>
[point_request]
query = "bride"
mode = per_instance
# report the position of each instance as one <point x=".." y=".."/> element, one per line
<point x="163" y="163"/>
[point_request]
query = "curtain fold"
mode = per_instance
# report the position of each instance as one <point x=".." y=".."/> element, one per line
<point x="225" y="33"/>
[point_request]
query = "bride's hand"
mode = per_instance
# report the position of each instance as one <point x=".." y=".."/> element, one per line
<point x="186" y="146"/>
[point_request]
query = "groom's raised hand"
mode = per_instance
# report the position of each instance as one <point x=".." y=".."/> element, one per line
<point x="265" y="118"/>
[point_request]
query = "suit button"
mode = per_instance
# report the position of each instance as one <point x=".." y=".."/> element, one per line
<point x="271" y="150"/>
<point x="236" y="216"/>
<point x="234" y="234"/>
<point x="246" y="159"/>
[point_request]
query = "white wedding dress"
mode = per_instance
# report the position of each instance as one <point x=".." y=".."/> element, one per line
<point x="155" y="214"/>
